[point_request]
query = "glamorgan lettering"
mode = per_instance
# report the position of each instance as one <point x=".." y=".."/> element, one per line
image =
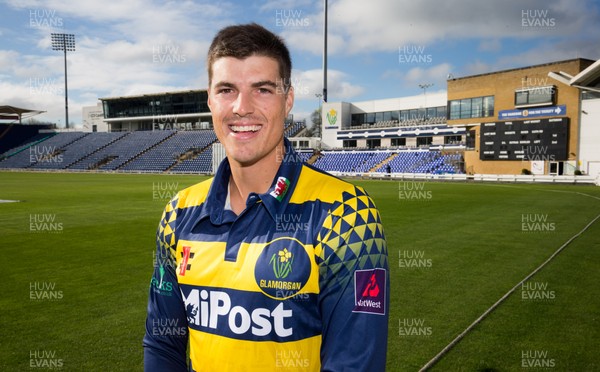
<point x="279" y="284"/>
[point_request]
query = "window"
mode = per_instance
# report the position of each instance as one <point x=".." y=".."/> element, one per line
<point x="539" y="96"/>
<point x="488" y="106"/>
<point x="424" y="141"/>
<point x="468" y="108"/>
<point x="470" y="140"/>
<point x="465" y="108"/>
<point x="452" y="140"/>
<point x="431" y="112"/>
<point x="398" y="142"/>
<point x="357" y="119"/>
<point x="477" y="107"/>
<point x="441" y="112"/>
<point x="404" y="115"/>
<point x="373" y="143"/>
<point x="348" y="143"/>
<point x="371" y="118"/>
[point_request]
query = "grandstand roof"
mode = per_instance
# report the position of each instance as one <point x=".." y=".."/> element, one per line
<point x="584" y="79"/>
<point x="154" y="94"/>
<point x="16" y="113"/>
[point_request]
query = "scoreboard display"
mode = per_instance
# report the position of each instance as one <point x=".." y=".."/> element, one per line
<point x="540" y="139"/>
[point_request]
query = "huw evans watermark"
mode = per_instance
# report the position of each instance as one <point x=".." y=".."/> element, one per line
<point x="536" y="359"/>
<point x="536" y="291"/>
<point x="168" y="53"/>
<point x="45" y="222"/>
<point x="45" y="86"/>
<point x="290" y="222"/>
<point x="291" y="360"/>
<point x="168" y="327"/>
<point x="413" y="259"/>
<point x="409" y="190"/>
<point x="537" y="18"/>
<point x="164" y="190"/>
<point x="413" y="327"/>
<point x="39" y="291"/>
<point x="45" y="154"/>
<point x="291" y="18"/>
<point x="536" y="222"/>
<point x="45" y="359"/>
<point x="44" y="18"/>
<point x="535" y="153"/>
<point x="414" y="54"/>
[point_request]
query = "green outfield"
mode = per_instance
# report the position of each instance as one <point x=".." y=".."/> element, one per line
<point x="77" y="255"/>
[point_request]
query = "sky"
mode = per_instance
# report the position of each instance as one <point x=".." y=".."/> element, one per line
<point x="377" y="49"/>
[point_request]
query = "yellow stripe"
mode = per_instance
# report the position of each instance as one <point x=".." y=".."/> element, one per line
<point x="209" y="268"/>
<point x="216" y="353"/>
<point x="313" y="185"/>
<point x="194" y="195"/>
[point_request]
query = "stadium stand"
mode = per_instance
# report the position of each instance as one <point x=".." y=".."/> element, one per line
<point x="44" y="151"/>
<point x="404" y="162"/>
<point x="200" y="164"/>
<point x="294" y="129"/>
<point x="125" y="149"/>
<point x="16" y="135"/>
<point x="167" y="153"/>
<point x="191" y="152"/>
<point x="79" y="149"/>
<point x="30" y="142"/>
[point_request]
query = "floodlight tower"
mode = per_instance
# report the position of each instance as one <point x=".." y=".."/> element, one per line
<point x="64" y="42"/>
<point x="325" y="51"/>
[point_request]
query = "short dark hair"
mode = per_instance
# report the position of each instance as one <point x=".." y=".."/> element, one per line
<point x="242" y="41"/>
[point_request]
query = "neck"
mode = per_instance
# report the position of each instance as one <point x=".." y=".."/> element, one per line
<point x="256" y="177"/>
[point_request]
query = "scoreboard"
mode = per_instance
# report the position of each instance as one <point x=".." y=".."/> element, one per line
<point x="540" y="139"/>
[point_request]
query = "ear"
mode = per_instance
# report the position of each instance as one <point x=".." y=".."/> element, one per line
<point x="208" y="101"/>
<point x="289" y="100"/>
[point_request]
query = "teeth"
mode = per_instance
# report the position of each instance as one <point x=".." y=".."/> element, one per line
<point x="244" y="128"/>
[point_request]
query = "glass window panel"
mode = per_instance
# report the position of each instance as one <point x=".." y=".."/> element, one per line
<point x="465" y="108"/>
<point x="477" y="107"/>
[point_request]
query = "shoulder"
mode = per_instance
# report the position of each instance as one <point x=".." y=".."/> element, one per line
<point x="194" y="195"/>
<point x="315" y="184"/>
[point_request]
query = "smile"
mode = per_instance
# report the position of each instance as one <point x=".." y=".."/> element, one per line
<point x="244" y="128"/>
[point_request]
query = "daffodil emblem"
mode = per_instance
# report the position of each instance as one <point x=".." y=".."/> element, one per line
<point x="332" y="117"/>
<point x="282" y="263"/>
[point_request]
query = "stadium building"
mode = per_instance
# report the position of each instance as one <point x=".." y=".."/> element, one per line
<point x="519" y="120"/>
<point x="540" y="119"/>
<point x="185" y="110"/>
<point x="507" y="122"/>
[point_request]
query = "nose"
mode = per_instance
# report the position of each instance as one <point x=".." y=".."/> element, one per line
<point x="243" y="104"/>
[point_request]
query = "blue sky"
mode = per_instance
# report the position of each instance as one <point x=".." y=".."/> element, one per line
<point x="377" y="48"/>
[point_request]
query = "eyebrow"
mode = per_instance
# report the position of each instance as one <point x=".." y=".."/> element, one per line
<point x="261" y="83"/>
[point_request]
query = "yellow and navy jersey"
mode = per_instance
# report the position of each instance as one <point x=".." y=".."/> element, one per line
<point x="298" y="281"/>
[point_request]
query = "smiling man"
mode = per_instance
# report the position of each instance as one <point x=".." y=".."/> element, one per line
<point x="271" y="264"/>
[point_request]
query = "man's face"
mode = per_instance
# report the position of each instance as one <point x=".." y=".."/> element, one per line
<point x="249" y="107"/>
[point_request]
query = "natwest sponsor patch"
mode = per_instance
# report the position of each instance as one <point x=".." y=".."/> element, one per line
<point x="369" y="291"/>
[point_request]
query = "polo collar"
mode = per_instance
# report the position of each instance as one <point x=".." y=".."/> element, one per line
<point x="275" y="199"/>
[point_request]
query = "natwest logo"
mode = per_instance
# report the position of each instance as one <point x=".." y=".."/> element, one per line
<point x="369" y="291"/>
<point x="214" y="310"/>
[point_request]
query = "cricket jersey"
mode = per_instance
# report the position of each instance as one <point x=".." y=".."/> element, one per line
<point x="298" y="281"/>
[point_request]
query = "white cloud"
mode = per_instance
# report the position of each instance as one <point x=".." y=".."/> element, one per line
<point x="339" y="86"/>
<point x="356" y="26"/>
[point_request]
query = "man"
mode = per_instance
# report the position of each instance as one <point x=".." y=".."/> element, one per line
<point x="271" y="264"/>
